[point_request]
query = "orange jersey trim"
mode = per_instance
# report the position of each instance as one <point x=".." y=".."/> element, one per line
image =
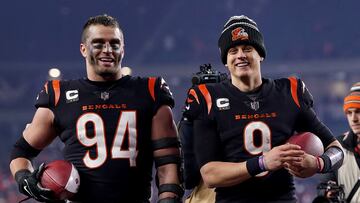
<point x="56" y="88"/>
<point x="293" y="86"/>
<point x="193" y="93"/>
<point x="204" y="91"/>
<point x="151" y="87"/>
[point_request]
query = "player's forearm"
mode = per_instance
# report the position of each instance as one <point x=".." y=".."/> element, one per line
<point x="309" y="121"/>
<point x="168" y="174"/>
<point x="21" y="155"/>
<point x="224" y="174"/>
<point x="19" y="164"/>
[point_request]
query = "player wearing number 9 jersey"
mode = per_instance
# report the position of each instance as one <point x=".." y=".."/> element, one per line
<point x="113" y="126"/>
<point x="241" y="125"/>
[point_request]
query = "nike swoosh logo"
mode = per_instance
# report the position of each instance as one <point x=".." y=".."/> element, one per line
<point x="27" y="190"/>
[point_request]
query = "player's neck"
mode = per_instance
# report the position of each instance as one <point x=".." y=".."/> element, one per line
<point x="104" y="78"/>
<point x="247" y="84"/>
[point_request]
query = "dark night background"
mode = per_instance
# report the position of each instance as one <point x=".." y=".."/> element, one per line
<point x="319" y="41"/>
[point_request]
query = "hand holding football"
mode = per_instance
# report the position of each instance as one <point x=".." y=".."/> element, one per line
<point x="308" y="142"/>
<point x="62" y="178"/>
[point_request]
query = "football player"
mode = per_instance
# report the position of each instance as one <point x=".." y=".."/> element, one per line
<point x="113" y="126"/>
<point x="242" y="125"/>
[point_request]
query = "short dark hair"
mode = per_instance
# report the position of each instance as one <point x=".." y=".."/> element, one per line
<point x="104" y="19"/>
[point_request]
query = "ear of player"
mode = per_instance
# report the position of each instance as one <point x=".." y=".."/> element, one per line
<point x="168" y="158"/>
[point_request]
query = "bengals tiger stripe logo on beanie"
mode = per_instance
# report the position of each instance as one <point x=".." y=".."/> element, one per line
<point x="240" y="30"/>
<point x="353" y="99"/>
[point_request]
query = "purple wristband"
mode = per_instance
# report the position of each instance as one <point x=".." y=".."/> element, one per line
<point x="261" y="163"/>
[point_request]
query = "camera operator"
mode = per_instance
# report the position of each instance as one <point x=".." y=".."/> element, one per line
<point x="192" y="178"/>
<point x="330" y="192"/>
<point x="349" y="173"/>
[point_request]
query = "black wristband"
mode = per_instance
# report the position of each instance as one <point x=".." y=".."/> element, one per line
<point x="253" y="166"/>
<point x="327" y="164"/>
<point x="174" y="188"/>
<point x="23" y="149"/>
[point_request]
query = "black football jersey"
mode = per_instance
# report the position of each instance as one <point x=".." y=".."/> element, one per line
<point x="106" y="129"/>
<point x="248" y="124"/>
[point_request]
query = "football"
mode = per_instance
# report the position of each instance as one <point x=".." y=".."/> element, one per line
<point x="62" y="178"/>
<point x="308" y="142"/>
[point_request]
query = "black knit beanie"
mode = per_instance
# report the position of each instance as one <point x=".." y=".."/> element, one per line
<point x="239" y="30"/>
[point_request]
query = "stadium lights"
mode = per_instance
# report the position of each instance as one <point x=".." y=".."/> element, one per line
<point x="54" y="73"/>
<point x="126" y="71"/>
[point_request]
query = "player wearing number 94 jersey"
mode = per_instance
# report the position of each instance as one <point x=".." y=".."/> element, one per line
<point x="245" y="122"/>
<point x="106" y="129"/>
<point x="113" y="126"/>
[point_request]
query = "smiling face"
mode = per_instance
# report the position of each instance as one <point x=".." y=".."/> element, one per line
<point x="353" y="117"/>
<point x="103" y="50"/>
<point x="243" y="62"/>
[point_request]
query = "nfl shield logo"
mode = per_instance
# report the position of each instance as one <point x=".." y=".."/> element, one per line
<point x="254" y="105"/>
<point x="104" y="96"/>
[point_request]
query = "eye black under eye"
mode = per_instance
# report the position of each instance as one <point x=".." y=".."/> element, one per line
<point x="115" y="46"/>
